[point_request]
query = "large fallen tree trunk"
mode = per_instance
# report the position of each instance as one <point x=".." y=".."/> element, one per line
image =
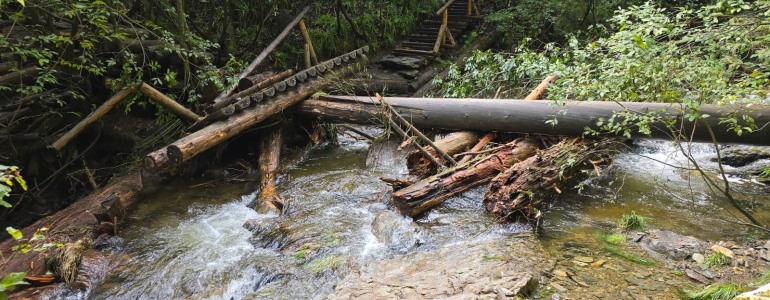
<point x="432" y="191"/>
<point x="525" y="116"/>
<point x="188" y="147"/>
<point x="522" y="188"/>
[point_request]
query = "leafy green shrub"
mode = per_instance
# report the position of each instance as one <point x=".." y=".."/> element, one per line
<point x="632" y="222"/>
<point x="717" y="259"/>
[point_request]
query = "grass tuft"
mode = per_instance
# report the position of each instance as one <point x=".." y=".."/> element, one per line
<point x="715" y="292"/>
<point x="617" y="239"/>
<point x="632" y="222"/>
<point x="717" y="259"/>
<point x="630" y="257"/>
<point x="324" y="263"/>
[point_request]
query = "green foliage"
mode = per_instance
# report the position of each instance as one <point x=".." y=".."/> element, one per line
<point x="716" y="259"/>
<point x="632" y="222"/>
<point x="715" y="292"/>
<point x="10" y="282"/>
<point x="9" y="175"/>
<point x="764" y="174"/>
<point x="627" y="256"/>
<point x="617" y="239"/>
<point x="716" y="54"/>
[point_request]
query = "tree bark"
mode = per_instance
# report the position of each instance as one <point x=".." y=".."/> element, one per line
<point x="432" y="191"/>
<point x="216" y="133"/>
<point x="452" y="144"/>
<point x="218" y="104"/>
<point x="253" y="80"/>
<point x="531" y="116"/>
<point x="269" y="163"/>
<point x="522" y="188"/>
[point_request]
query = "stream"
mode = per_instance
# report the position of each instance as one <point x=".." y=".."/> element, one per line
<point x="190" y="242"/>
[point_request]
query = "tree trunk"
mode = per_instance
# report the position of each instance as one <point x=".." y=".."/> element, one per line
<point x="188" y="147"/>
<point x="253" y="80"/>
<point x="526" y="116"/>
<point x="452" y="144"/>
<point x="522" y="188"/>
<point x="269" y="162"/>
<point x="432" y="191"/>
<point x="266" y="82"/>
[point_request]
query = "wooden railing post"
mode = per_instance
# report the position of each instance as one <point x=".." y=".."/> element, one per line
<point x="470" y="7"/>
<point x="308" y="41"/>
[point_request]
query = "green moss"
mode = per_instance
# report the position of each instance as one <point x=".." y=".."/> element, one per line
<point x="678" y="273"/>
<point x="630" y="257"/>
<point x="717" y="259"/>
<point x="715" y="292"/>
<point x="632" y="222"/>
<point x="491" y="258"/>
<point x="324" y="263"/>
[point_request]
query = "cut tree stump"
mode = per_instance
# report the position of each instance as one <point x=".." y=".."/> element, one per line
<point x="269" y="163"/>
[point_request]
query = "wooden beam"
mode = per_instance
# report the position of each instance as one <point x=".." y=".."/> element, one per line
<point x="93" y="117"/>
<point x="169" y="103"/>
<point x="308" y="41"/>
<point x="261" y="57"/>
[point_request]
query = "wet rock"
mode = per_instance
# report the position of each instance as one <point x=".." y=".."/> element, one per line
<point x="409" y="74"/>
<point x="385" y="155"/>
<point x="558" y="287"/>
<point x="403" y="62"/>
<point x="266" y="233"/>
<point x="739" y="157"/>
<point x="671" y="245"/>
<point x="395" y="231"/>
<point x="696" y="276"/>
<point x="106" y="242"/>
<point x="698" y="258"/>
<point x="454" y="271"/>
<point x="584" y="259"/>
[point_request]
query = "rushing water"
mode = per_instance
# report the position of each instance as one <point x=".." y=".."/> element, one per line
<point x="189" y="242"/>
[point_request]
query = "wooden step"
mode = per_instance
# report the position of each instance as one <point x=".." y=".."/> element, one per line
<point x="404" y="51"/>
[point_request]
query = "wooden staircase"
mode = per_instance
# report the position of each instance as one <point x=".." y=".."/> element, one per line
<point x="441" y="30"/>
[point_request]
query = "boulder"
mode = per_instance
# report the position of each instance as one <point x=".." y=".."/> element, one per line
<point x="671" y="245"/>
<point x="395" y="231"/>
<point x="742" y="156"/>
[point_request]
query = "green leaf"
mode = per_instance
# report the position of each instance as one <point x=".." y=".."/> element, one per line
<point x="5" y="204"/>
<point x="22" y="182"/>
<point x="21" y="2"/>
<point x="15" y="233"/>
<point x="11" y="280"/>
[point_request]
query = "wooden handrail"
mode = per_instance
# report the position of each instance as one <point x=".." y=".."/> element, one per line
<point x="445" y="7"/>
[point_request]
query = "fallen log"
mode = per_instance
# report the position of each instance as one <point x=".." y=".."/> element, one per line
<point x="269" y="81"/>
<point x="167" y="102"/>
<point x="269" y="162"/>
<point x="432" y="191"/>
<point x="96" y="115"/>
<point x="452" y="144"/>
<point x="522" y="188"/>
<point x="20" y="77"/>
<point x="77" y="221"/>
<point x="261" y="57"/>
<point x="483" y="142"/>
<point x="525" y="116"/>
<point x="253" y="80"/>
<point x="186" y="148"/>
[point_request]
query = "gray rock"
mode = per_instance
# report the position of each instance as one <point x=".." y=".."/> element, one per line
<point x="409" y="74"/>
<point x="584" y="259"/>
<point x="670" y="244"/>
<point x="739" y="156"/>
<point x="457" y="271"/>
<point x="696" y="276"/>
<point x="558" y="287"/>
<point x="403" y="62"/>
<point x="698" y="258"/>
<point x="395" y="231"/>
